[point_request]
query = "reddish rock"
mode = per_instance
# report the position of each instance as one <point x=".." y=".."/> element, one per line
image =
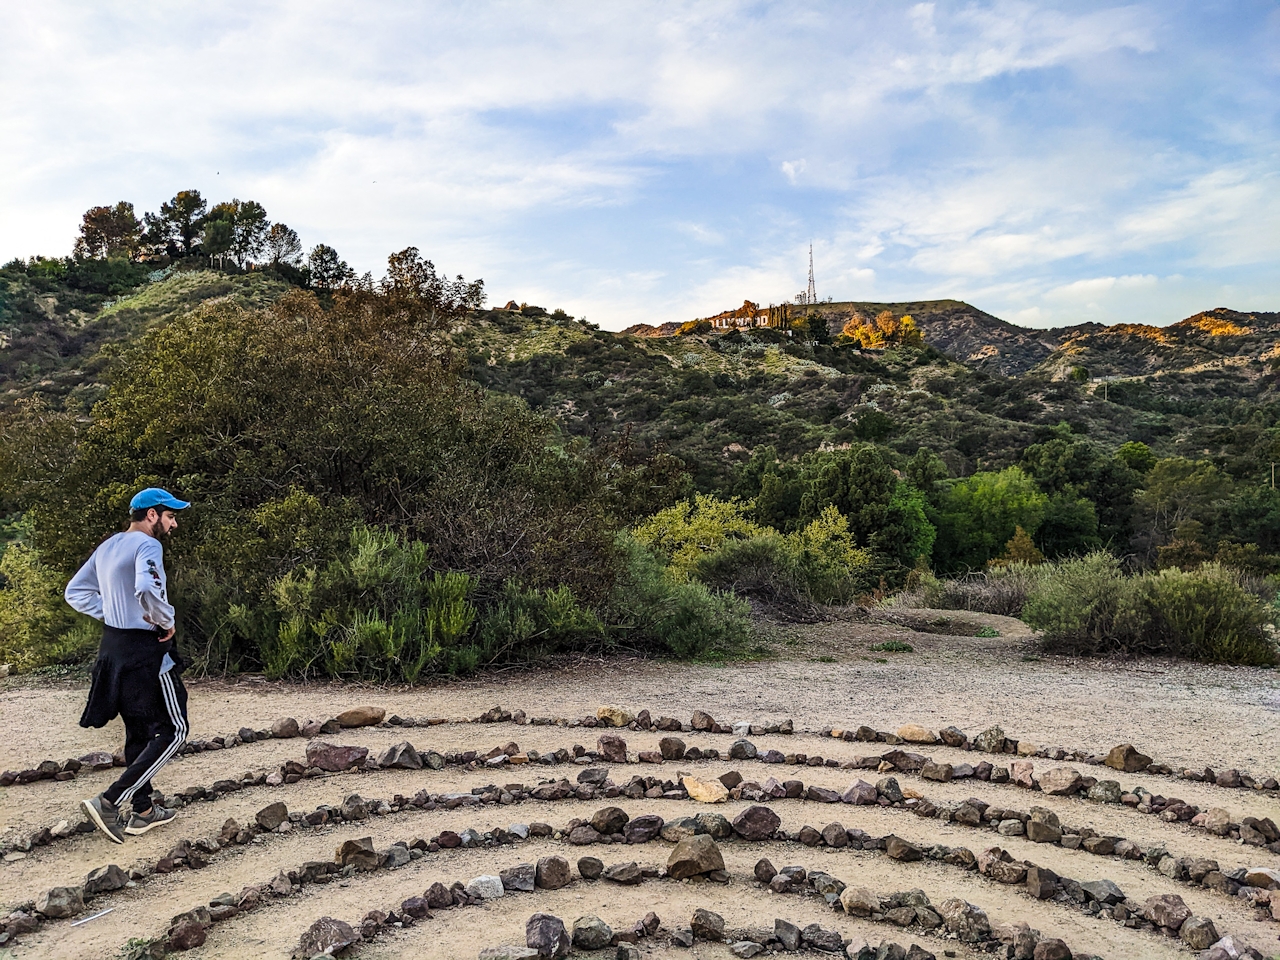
<point x="612" y="748"/>
<point x="333" y="758"/>
<point x="1127" y="759"/>
<point x="756" y="823"/>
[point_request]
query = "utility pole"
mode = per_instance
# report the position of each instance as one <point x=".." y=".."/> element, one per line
<point x="1273" y="474"/>
<point x="811" y="295"/>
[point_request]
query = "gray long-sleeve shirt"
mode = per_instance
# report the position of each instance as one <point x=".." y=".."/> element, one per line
<point x="123" y="584"/>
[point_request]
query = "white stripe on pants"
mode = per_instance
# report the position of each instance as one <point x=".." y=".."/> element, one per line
<point x="179" y="737"/>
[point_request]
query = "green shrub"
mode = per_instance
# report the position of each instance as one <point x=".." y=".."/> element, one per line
<point x="1087" y="605"/>
<point x="653" y="610"/>
<point x="713" y="541"/>
<point x="37" y="628"/>
<point x="527" y="624"/>
<point x="1206" y="614"/>
<point x="893" y="646"/>
<point x="1002" y="590"/>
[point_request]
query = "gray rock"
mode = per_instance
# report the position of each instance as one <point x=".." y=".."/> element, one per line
<point x="326" y="936"/>
<point x="816" y="938"/>
<point x="745" y="948"/>
<point x="522" y="877"/>
<point x="1198" y="933"/>
<point x="742" y="750"/>
<point x="285" y="729"/>
<point x="676" y="830"/>
<point x="397" y="856"/>
<point x="509" y="952"/>
<point x="591" y="933"/>
<point x="401" y="756"/>
<point x="990" y="740"/>
<point x="1106" y="791"/>
<point x="888" y="788"/>
<point x="953" y="736"/>
<point x="786" y="933"/>
<point x="707" y="925"/>
<point x="643" y="828"/>
<point x="486" y="887"/>
<point x="1104" y="891"/>
<point x="860" y="793"/>
<point x="547" y="935"/>
<point x="104" y="880"/>
<point x="899" y="849"/>
<point x="590" y="868"/>
<point x="967" y="922"/>
<point x="354" y="808"/>
<point x="60" y="902"/>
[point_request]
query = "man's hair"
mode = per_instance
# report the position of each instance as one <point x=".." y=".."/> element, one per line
<point x="137" y="516"/>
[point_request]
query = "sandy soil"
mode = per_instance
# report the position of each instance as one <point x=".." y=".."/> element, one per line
<point x="825" y="674"/>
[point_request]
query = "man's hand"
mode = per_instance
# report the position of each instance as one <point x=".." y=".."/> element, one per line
<point x="166" y="636"/>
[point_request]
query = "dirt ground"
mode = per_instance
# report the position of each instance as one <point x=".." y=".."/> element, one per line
<point x="823" y="674"/>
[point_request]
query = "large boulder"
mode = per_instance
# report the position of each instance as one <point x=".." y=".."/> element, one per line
<point x="326" y="936"/>
<point x="285" y="728"/>
<point x="547" y="935"/>
<point x="334" y="758"/>
<point x="361" y="716"/>
<point x="1127" y="759"/>
<point x="694" y="855"/>
<point x="671" y="748"/>
<point x="756" y="823"/>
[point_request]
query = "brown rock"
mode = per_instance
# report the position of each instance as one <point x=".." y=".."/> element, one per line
<point x="1043" y="826"/>
<point x="1166" y="910"/>
<point x="361" y="717"/>
<point x="272" y="815"/>
<point x="1051" y="949"/>
<point x="860" y="793"/>
<point x="1022" y="773"/>
<point x="914" y="733"/>
<point x="547" y="935"/>
<point x="1127" y="759"/>
<point x="400" y="756"/>
<point x="553" y="873"/>
<point x="60" y="902"/>
<point x="614" y="716"/>
<point x="941" y="772"/>
<point x="438" y="896"/>
<point x="187" y="934"/>
<point x="702" y="721"/>
<point x="358" y="853"/>
<point x="333" y="758"/>
<point x="694" y="855"/>
<point x="285" y="729"/>
<point x="672" y="748"/>
<point x="104" y="880"/>
<point x="1061" y="782"/>
<point x="859" y="901"/>
<point x="707" y="925"/>
<point x="610" y="820"/>
<point x="899" y="849"/>
<point x="612" y="748"/>
<point x="756" y="823"/>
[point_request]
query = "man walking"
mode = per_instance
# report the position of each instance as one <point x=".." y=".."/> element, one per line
<point x="136" y="676"/>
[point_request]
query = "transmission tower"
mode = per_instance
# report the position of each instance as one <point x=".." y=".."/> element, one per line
<point x="811" y="295"/>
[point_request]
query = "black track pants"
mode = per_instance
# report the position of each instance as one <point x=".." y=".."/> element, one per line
<point x="154" y="732"/>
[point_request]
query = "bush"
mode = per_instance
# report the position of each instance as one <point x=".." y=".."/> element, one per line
<point x="1206" y="614"/>
<point x="1002" y="590"/>
<point x="654" y="610"/>
<point x="1087" y="605"/>
<point x="712" y="541"/>
<point x="37" y="629"/>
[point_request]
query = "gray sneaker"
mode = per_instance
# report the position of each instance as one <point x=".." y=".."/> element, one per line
<point x="104" y="815"/>
<point x="157" y="816"/>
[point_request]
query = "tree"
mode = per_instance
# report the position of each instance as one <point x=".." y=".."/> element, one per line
<point x="981" y="513"/>
<point x="1137" y="456"/>
<point x="248" y="225"/>
<point x="282" y="246"/>
<point x="109" y="232"/>
<point x="179" y="219"/>
<point x="411" y="277"/>
<point x="1020" y="549"/>
<point x="217" y="238"/>
<point x="328" y="270"/>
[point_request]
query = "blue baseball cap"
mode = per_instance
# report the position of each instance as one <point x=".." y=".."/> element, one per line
<point x="155" y="497"/>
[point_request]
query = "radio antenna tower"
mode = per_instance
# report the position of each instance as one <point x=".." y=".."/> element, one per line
<point x="811" y="295"/>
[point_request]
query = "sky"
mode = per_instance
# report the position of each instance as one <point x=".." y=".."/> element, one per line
<point x="1051" y="163"/>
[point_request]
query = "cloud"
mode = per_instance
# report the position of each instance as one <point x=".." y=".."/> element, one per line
<point x="626" y="157"/>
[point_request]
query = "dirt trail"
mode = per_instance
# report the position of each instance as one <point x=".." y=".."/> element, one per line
<point x="1179" y="713"/>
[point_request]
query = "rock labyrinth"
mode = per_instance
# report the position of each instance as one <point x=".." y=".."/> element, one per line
<point x="878" y="892"/>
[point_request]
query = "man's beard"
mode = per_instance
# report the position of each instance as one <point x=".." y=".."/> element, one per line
<point x="158" y="531"/>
